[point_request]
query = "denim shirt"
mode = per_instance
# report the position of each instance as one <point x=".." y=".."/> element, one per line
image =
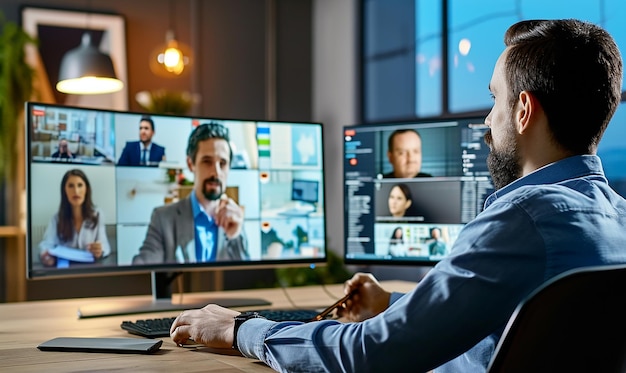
<point x="560" y="217"/>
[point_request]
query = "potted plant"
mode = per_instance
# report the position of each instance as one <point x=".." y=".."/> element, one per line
<point x="162" y="101"/>
<point x="16" y="87"/>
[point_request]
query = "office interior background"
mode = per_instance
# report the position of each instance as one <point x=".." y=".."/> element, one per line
<point x="339" y="62"/>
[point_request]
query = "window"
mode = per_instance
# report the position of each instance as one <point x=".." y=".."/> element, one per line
<point x="424" y="58"/>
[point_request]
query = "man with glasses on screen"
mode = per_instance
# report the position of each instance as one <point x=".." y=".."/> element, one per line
<point x="207" y="226"/>
<point x="555" y="88"/>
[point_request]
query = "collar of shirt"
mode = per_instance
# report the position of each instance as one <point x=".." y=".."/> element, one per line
<point x="568" y="168"/>
<point x="143" y="147"/>
<point x="197" y="209"/>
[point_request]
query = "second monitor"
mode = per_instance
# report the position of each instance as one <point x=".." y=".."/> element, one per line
<point x="409" y="188"/>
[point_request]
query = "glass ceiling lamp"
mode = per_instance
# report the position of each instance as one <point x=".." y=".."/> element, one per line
<point x="86" y="70"/>
<point x="172" y="58"/>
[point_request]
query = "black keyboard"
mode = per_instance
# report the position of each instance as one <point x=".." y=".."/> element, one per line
<point x="304" y="315"/>
<point x="149" y="328"/>
<point x="160" y="327"/>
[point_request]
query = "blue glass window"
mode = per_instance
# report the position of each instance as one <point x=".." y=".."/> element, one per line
<point x="403" y="46"/>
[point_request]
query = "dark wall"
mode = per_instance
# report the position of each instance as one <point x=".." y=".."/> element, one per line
<point x="230" y="57"/>
<point x="229" y="74"/>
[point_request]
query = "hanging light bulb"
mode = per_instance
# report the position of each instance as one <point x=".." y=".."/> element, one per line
<point x="86" y="70"/>
<point x="170" y="59"/>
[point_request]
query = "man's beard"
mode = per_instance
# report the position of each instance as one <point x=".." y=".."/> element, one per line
<point x="503" y="165"/>
<point x="212" y="194"/>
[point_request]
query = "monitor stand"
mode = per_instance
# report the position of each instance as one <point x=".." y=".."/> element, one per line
<point x="161" y="301"/>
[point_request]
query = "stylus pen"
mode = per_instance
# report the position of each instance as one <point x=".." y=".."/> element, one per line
<point x="322" y="315"/>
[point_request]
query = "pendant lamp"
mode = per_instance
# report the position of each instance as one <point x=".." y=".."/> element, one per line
<point x="172" y="58"/>
<point x="86" y="70"/>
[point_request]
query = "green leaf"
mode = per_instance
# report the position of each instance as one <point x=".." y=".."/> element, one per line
<point x="16" y="87"/>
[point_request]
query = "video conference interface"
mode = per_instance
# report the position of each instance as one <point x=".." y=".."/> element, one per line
<point x="276" y="177"/>
<point x="380" y="225"/>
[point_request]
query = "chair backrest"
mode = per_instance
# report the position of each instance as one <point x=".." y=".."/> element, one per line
<point x="575" y="322"/>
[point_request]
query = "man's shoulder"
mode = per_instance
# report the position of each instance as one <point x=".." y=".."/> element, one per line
<point x="555" y="198"/>
<point x="174" y="209"/>
<point x="157" y="146"/>
<point x="131" y="145"/>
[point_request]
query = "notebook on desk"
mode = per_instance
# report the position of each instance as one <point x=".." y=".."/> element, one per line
<point x="115" y="345"/>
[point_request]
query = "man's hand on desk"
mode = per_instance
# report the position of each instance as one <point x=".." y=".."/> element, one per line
<point x="369" y="300"/>
<point x="211" y="326"/>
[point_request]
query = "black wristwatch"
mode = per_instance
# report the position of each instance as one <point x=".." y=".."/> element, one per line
<point x="240" y="319"/>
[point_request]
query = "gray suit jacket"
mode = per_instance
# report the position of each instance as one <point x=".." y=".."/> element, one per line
<point x="170" y="238"/>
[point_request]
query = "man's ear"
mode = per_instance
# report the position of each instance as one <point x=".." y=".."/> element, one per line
<point x="190" y="164"/>
<point x="527" y="107"/>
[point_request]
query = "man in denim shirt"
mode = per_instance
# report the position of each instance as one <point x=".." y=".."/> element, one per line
<point x="555" y="89"/>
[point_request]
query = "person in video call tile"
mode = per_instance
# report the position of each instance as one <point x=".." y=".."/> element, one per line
<point x="399" y="200"/>
<point x="397" y="246"/>
<point x="436" y="245"/>
<point x="77" y="224"/>
<point x="404" y="152"/>
<point x="143" y="152"/>
<point x="553" y="210"/>
<point x="208" y="225"/>
<point x="63" y="153"/>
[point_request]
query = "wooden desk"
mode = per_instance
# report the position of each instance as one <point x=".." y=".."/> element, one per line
<point x="25" y="325"/>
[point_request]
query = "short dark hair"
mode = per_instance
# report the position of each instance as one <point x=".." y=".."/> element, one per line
<point x="398" y="132"/>
<point x="205" y="131"/>
<point x="149" y="120"/>
<point x="574" y="69"/>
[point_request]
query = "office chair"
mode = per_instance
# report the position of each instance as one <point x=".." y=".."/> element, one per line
<point x="575" y="322"/>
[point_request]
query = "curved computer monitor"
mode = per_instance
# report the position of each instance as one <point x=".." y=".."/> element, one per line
<point x="381" y="226"/>
<point x="269" y="160"/>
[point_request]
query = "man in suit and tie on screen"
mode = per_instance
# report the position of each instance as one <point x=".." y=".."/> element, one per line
<point x="143" y="152"/>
